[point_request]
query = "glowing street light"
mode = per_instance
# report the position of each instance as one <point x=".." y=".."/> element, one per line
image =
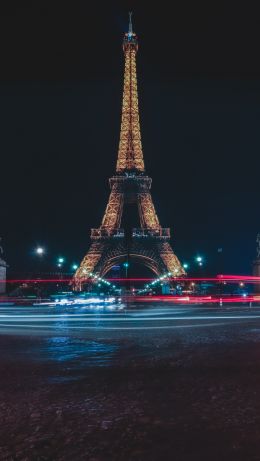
<point x="60" y="260"/>
<point x="199" y="259"/>
<point x="74" y="267"/>
<point x="185" y="266"/>
<point x="126" y="265"/>
<point x="39" y="251"/>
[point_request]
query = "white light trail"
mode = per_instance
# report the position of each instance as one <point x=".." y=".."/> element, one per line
<point x="75" y="318"/>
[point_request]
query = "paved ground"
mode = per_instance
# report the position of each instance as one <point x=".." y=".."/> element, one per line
<point x="148" y="383"/>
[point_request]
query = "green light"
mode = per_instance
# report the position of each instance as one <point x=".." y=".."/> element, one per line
<point x="74" y="266"/>
<point x="126" y="264"/>
<point x="185" y="266"/>
<point x="60" y="260"/>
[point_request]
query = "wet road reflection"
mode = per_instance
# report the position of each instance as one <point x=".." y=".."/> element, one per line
<point x="81" y="338"/>
<point x="138" y="375"/>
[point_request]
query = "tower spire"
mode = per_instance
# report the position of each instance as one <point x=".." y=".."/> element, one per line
<point x="130" y="153"/>
<point x="130" y="29"/>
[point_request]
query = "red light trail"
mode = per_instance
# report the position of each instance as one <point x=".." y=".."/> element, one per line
<point x="195" y="299"/>
<point x="181" y="300"/>
<point x="218" y="278"/>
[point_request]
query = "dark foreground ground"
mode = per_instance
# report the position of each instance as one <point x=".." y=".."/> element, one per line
<point x="190" y="392"/>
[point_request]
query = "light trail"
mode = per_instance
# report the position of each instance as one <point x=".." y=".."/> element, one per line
<point x="13" y="321"/>
<point x="100" y="328"/>
<point x="218" y="278"/>
<point x="192" y="299"/>
<point x="198" y="299"/>
<point x="127" y="319"/>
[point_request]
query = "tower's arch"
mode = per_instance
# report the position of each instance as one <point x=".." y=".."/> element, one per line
<point x="146" y="261"/>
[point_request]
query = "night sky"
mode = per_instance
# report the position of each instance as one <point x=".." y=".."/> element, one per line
<point x="199" y="96"/>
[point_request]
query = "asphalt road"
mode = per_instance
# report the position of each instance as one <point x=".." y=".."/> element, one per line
<point x="136" y="382"/>
<point x="42" y="320"/>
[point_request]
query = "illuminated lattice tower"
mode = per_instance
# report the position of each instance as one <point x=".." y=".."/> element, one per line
<point x="112" y="242"/>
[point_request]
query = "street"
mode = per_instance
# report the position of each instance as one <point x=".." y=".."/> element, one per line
<point x="137" y="382"/>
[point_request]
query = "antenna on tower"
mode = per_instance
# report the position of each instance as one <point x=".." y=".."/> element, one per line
<point x="130" y="30"/>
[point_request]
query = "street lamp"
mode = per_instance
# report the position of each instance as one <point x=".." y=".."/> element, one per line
<point x="38" y="265"/>
<point x="74" y="267"/>
<point x="39" y="251"/>
<point x="126" y="265"/>
<point x="60" y="262"/>
<point x="185" y="266"/>
<point x="199" y="260"/>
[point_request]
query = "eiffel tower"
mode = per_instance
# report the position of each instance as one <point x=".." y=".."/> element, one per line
<point x="112" y="243"/>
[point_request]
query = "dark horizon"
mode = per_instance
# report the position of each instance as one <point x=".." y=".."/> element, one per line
<point x="199" y="94"/>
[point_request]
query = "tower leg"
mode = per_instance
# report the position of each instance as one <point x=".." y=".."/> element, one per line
<point x="88" y="265"/>
<point x="170" y="259"/>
